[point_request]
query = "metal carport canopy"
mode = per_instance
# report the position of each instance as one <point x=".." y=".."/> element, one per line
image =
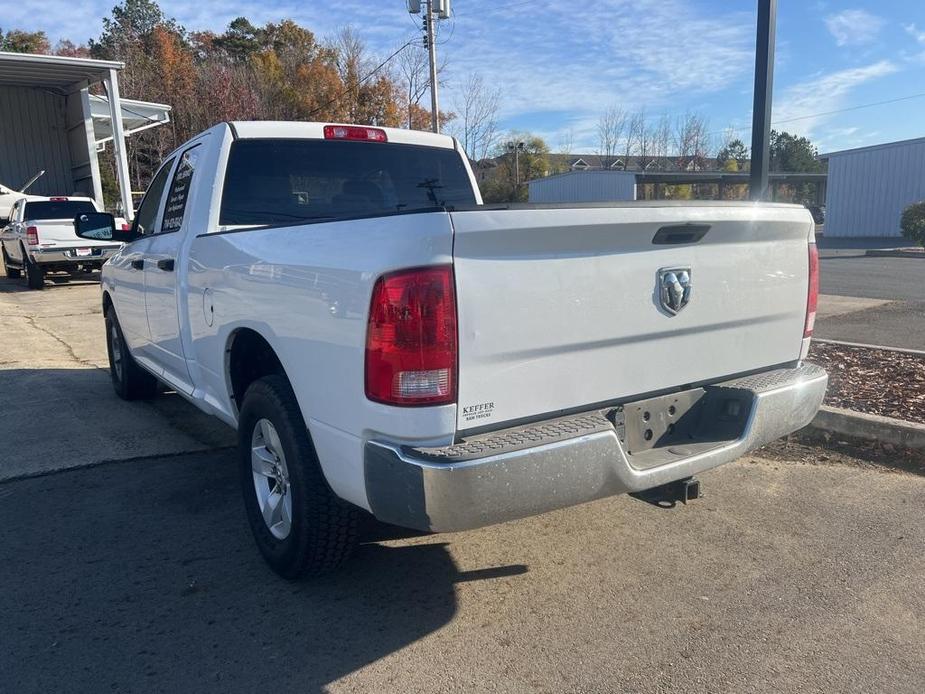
<point x="66" y="76"/>
<point x="136" y="116"/>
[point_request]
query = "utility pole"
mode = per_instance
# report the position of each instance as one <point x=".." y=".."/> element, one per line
<point x="761" y="107"/>
<point x="432" y="55"/>
<point x="433" y="10"/>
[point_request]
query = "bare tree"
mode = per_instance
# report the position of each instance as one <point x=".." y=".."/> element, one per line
<point x="477" y="110"/>
<point x="644" y="138"/>
<point x="353" y="61"/>
<point x="691" y="141"/>
<point x="662" y="141"/>
<point x="610" y="131"/>
<point x="634" y="135"/>
<point x="566" y="141"/>
<point x="414" y="76"/>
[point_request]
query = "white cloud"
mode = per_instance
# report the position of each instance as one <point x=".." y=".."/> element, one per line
<point x="645" y="53"/>
<point x="554" y="63"/>
<point x="821" y="94"/>
<point x="916" y="33"/>
<point x="854" y="27"/>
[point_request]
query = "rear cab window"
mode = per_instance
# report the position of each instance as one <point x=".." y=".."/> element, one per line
<point x="271" y="182"/>
<point x="56" y="209"/>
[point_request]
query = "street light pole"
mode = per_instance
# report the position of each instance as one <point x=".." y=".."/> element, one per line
<point x="761" y="107"/>
<point x="516" y="148"/>
<point x="517" y="166"/>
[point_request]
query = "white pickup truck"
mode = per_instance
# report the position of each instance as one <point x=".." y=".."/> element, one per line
<point x="383" y="341"/>
<point x="39" y="238"/>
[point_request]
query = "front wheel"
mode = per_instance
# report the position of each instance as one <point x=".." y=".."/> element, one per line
<point x="130" y="381"/>
<point x="300" y="526"/>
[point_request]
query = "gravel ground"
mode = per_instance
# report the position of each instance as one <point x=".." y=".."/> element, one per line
<point x="891" y="384"/>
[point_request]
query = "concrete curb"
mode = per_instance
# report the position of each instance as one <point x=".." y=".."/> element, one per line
<point x="869" y="427"/>
<point x="842" y="343"/>
<point x="893" y="253"/>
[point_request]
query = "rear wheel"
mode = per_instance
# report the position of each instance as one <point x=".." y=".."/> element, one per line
<point x="35" y="275"/>
<point x="300" y="526"/>
<point x="130" y="381"/>
<point x="11" y="272"/>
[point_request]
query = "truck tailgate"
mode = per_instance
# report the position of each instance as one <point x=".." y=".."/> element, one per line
<point x="560" y="308"/>
<point x="59" y="233"/>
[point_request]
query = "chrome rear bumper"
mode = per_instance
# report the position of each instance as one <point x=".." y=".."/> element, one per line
<point x="68" y="256"/>
<point x="529" y="470"/>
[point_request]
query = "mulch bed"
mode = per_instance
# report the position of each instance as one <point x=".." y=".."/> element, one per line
<point x="890" y="384"/>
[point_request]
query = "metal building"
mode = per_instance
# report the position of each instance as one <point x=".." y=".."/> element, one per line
<point x="49" y="121"/>
<point x="869" y="187"/>
<point x="584" y="186"/>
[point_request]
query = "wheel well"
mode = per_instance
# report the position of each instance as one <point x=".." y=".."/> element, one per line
<point x="107" y="302"/>
<point x="250" y="357"/>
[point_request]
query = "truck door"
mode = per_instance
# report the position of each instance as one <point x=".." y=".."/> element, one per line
<point x="128" y="267"/>
<point x="162" y="276"/>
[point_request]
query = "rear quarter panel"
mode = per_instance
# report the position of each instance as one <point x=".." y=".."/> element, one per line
<point x="306" y="290"/>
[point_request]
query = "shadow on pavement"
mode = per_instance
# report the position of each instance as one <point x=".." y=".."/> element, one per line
<point x="69" y="417"/>
<point x="58" y="279"/>
<point x="143" y="576"/>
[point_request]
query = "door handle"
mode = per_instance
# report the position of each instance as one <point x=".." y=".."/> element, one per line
<point x="138" y="264"/>
<point x="165" y="264"/>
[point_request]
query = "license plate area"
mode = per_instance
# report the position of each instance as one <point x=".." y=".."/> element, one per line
<point x="694" y="416"/>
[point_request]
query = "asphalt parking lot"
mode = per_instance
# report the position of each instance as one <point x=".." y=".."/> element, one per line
<point x="136" y="572"/>
<point x="890" y="306"/>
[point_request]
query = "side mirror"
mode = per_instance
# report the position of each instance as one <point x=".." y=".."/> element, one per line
<point x="101" y="226"/>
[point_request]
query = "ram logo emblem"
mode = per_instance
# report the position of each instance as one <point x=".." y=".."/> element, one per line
<point x="674" y="289"/>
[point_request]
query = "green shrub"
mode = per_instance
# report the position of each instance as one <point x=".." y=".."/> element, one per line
<point x="913" y="223"/>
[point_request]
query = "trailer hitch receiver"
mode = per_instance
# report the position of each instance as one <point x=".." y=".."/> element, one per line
<point x="668" y="495"/>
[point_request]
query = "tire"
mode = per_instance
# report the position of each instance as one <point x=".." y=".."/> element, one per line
<point x="35" y="275"/>
<point x="12" y="273"/>
<point x="129" y="380"/>
<point x="321" y="531"/>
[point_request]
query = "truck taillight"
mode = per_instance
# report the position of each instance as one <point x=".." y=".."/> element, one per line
<point x="354" y="132"/>
<point x="812" y="296"/>
<point x="32" y="236"/>
<point x="411" y="338"/>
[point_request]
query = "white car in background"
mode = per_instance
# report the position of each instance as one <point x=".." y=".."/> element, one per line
<point x="40" y="238"/>
<point x="8" y="196"/>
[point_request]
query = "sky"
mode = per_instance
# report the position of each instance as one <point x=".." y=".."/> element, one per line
<point x="560" y="63"/>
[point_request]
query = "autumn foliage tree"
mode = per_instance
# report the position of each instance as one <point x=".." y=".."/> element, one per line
<point x="277" y="71"/>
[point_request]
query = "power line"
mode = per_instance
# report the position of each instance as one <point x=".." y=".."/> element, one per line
<point x="363" y="79"/>
<point x="829" y="113"/>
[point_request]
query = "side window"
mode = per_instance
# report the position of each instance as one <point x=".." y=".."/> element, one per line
<point x="147" y="212"/>
<point x="179" y="191"/>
